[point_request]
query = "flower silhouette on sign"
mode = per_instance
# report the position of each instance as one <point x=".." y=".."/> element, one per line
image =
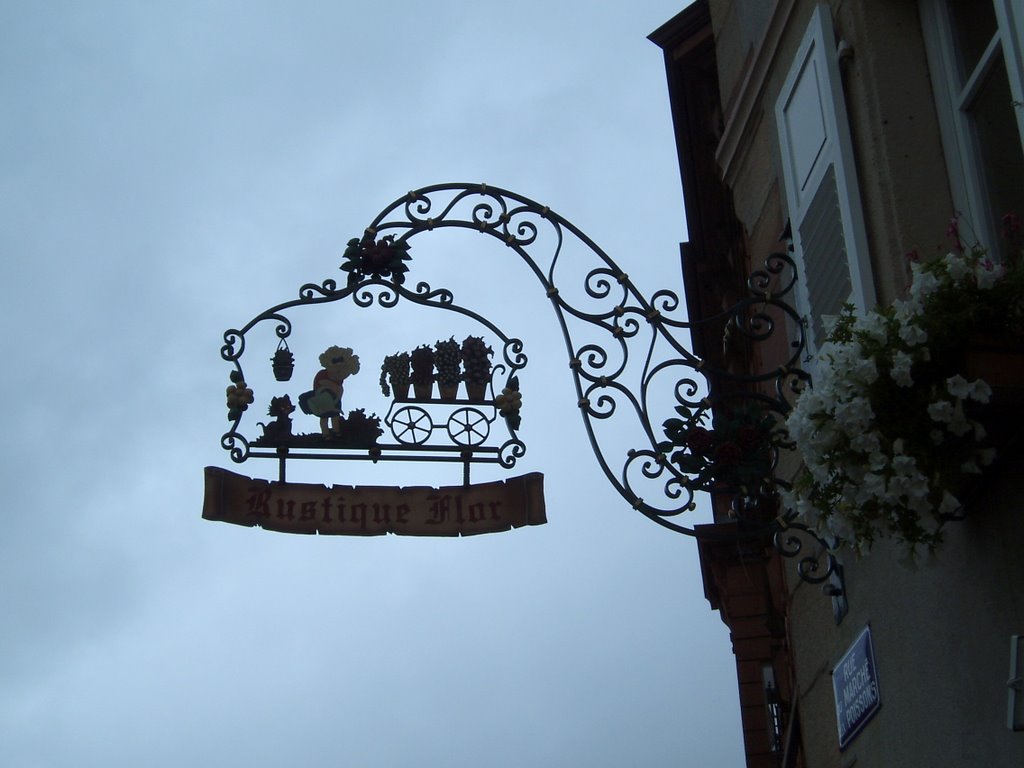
<point x="735" y="454"/>
<point x="381" y="259"/>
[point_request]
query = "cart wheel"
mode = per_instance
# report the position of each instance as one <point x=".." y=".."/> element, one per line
<point x="411" y="425"/>
<point x="468" y="426"/>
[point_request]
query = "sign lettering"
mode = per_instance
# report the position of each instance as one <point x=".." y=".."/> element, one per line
<point x="855" y="686"/>
<point x="374" y="510"/>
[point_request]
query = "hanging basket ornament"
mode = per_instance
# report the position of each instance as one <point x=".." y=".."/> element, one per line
<point x="283" y="362"/>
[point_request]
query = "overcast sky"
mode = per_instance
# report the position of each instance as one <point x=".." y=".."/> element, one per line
<point x="169" y="170"/>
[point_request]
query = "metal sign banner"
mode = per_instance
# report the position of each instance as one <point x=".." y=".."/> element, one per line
<point x="855" y="685"/>
<point x="374" y="510"/>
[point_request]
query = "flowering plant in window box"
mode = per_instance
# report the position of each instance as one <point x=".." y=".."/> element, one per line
<point x="890" y="434"/>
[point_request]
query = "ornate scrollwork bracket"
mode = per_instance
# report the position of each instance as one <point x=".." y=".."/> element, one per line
<point x="626" y="358"/>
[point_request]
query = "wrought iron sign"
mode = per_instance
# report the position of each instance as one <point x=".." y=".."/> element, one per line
<point x="623" y="348"/>
<point x="422" y="423"/>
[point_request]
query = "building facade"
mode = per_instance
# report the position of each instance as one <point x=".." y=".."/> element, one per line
<point x="850" y="132"/>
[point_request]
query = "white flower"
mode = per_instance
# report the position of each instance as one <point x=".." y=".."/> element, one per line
<point x="822" y="473"/>
<point x="962" y="389"/>
<point x="874" y="325"/>
<point x="900" y="371"/>
<point x="802" y="506"/>
<point x="904" y="466"/>
<point x="956" y="266"/>
<point x="865" y="442"/>
<point x="913" y="335"/>
<point x="981" y="392"/>
<point x="923" y="283"/>
<point x="988" y="274"/>
<point x="839" y="527"/>
<point x="958" y="386"/>
<point x="853" y="417"/>
<point x="829" y="349"/>
<point x="865" y="370"/>
<point x="941" y="411"/>
<point x="871" y="486"/>
<point x="949" y="504"/>
<point x="907" y="311"/>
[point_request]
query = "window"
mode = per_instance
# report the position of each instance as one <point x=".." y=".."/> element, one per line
<point x="830" y="243"/>
<point x="974" y="54"/>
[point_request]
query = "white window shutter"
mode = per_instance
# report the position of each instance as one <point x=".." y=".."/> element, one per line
<point x="821" y="183"/>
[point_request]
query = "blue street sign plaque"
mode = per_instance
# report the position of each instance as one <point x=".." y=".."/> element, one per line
<point x="855" y="685"/>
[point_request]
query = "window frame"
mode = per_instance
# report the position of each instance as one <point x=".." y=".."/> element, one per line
<point x="953" y="98"/>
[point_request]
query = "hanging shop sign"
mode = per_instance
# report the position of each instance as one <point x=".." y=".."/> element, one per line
<point x="855" y="686"/>
<point x="374" y="510"/>
<point x="445" y="401"/>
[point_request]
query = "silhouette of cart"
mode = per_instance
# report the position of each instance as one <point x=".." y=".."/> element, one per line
<point x="466" y="423"/>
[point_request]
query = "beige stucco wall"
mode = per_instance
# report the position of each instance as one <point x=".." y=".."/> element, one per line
<point x="941" y="633"/>
<point x="942" y="641"/>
